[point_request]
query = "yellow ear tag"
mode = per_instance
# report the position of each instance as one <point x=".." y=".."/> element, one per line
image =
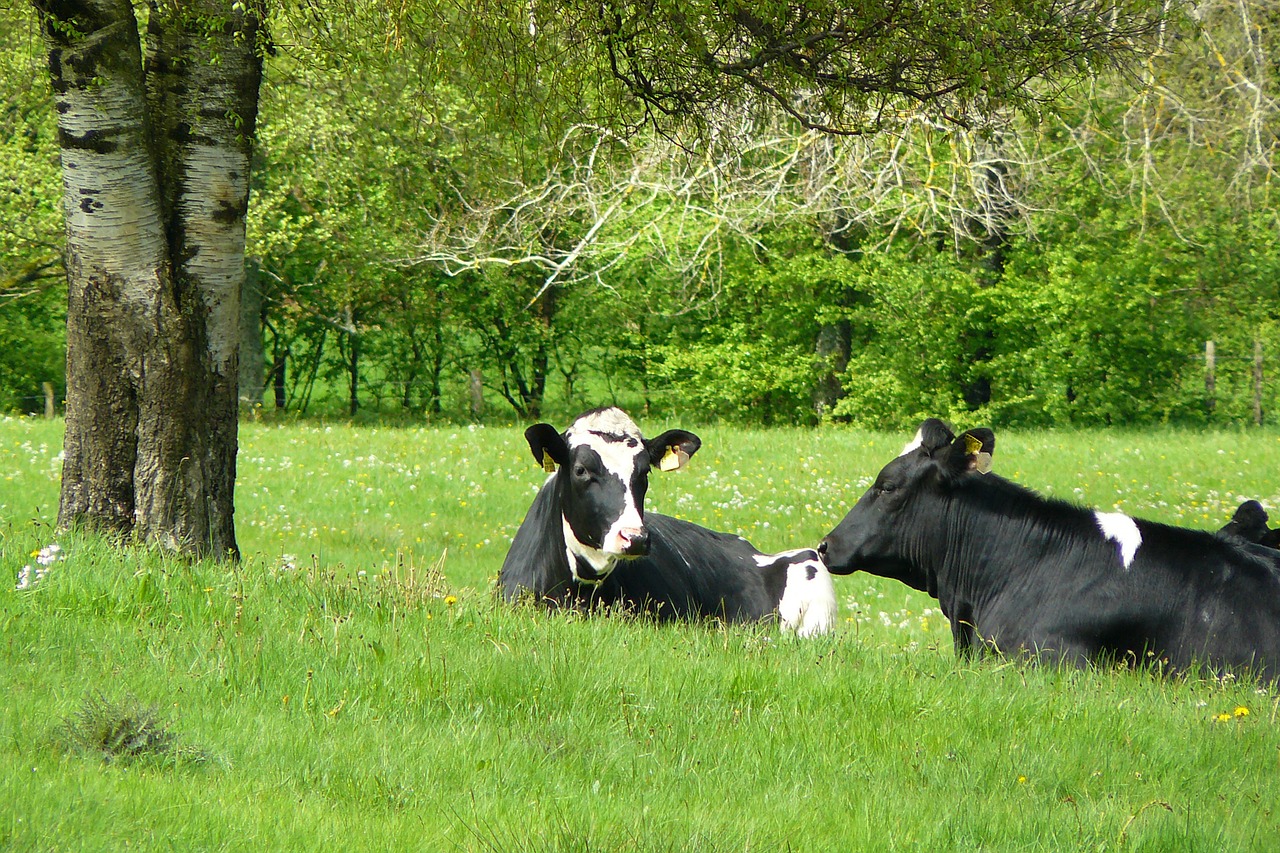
<point x="548" y="464"/>
<point x="673" y="459"/>
<point x="978" y="461"/>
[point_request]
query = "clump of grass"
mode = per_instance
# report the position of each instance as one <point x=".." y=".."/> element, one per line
<point x="124" y="731"/>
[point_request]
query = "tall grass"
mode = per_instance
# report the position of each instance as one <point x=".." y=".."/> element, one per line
<point x="352" y="684"/>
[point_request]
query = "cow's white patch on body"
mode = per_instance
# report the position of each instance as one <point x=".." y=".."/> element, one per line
<point x="1122" y="530"/>
<point x="913" y="443"/>
<point x="808" y="606"/>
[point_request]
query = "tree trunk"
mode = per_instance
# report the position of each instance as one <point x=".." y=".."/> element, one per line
<point x="155" y="187"/>
<point x="353" y="369"/>
<point x="280" y="353"/>
<point x="833" y="349"/>
<point x="253" y="353"/>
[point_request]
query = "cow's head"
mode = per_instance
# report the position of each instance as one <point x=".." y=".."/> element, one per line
<point x="877" y="533"/>
<point x="603" y="475"/>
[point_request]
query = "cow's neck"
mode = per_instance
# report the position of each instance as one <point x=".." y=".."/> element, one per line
<point x="588" y="565"/>
<point x="965" y="564"/>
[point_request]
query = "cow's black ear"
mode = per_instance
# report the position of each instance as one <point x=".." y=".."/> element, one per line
<point x="1251" y="512"/>
<point x="972" y="451"/>
<point x="671" y="450"/>
<point x="934" y="435"/>
<point x="548" y="446"/>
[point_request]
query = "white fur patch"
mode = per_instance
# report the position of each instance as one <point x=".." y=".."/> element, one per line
<point x="808" y="605"/>
<point x="914" y="443"/>
<point x="1122" y="530"/>
<point x="599" y="560"/>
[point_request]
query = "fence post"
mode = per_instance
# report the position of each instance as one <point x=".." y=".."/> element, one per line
<point x="48" y="399"/>
<point x="1210" y="380"/>
<point x="1257" y="382"/>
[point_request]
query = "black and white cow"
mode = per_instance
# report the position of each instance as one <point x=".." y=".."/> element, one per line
<point x="1249" y="523"/>
<point x="1015" y="571"/>
<point x="586" y="540"/>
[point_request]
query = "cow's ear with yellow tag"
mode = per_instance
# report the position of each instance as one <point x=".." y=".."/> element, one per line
<point x="674" y="459"/>
<point x="671" y="450"/>
<point x="979" y="445"/>
<point x="547" y="446"/>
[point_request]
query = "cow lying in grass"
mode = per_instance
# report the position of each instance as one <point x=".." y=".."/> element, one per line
<point x="586" y="540"/>
<point x="1015" y="571"/>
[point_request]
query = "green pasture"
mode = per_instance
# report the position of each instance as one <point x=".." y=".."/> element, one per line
<point x="354" y="685"/>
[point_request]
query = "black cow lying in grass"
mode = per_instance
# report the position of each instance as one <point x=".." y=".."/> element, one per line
<point x="587" y="541"/>
<point x="1015" y="571"/>
<point x="1249" y="523"/>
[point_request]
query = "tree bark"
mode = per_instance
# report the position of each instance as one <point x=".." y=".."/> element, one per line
<point x="353" y="362"/>
<point x="155" y="187"/>
<point x="253" y="353"/>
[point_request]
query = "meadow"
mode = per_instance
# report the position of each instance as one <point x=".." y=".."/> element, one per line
<point x="353" y="683"/>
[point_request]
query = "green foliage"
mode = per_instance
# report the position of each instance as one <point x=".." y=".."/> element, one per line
<point x="371" y="135"/>
<point x="32" y="289"/>
<point x="1094" y="334"/>
<point x="747" y="351"/>
<point x="912" y="351"/>
<point x="743" y="376"/>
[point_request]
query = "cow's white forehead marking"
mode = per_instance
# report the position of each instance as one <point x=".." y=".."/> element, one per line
<point x="913" y="443"/>
<point x="1122" y="530"/>
<point x="612" y="435"/>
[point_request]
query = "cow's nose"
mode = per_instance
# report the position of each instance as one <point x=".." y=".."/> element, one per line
<point x="635" y="542"/>
<point x="822" y="549"/>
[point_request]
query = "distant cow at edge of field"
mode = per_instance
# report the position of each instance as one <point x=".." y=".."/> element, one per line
<point x="1249" y="523"/>
<point x="1015" y="571"/>
<point x="586" y="540"/>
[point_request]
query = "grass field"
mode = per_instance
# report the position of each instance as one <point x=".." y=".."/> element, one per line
<point x="353" y="684"/>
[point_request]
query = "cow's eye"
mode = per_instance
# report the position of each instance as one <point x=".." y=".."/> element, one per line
<point x="885" y="488"/>
<point x="580" y="471"/>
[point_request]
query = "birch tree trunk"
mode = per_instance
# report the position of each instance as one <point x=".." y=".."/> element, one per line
<point x="155" y="161"/>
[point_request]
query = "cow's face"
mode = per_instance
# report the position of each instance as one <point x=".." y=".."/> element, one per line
<point x="604" y="466"/>
<point x="878" y="533"/>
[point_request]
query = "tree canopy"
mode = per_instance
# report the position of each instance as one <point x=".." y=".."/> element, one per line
<point x="457" y="220"/>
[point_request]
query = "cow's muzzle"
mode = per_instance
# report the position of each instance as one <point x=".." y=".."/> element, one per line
<point x="834" y="564"/>
<point x="634" y="542"/>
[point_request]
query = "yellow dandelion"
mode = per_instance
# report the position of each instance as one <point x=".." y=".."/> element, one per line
<point x="450" y="600"/>
<point x="1222" y="718"/>
<point x="1022" y="780"/>
<point x="1241" y="711"/>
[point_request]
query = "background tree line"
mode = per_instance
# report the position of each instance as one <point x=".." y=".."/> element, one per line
<point x="427" y="257"/>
